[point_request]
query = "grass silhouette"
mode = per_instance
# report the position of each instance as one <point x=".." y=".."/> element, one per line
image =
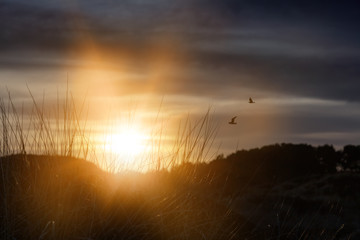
<point x="53" y="186"/>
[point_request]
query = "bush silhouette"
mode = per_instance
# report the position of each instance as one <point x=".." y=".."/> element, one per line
<point x="275" y="163"/>
<point x="328" y="157"/>
<point x="351" y="158"/>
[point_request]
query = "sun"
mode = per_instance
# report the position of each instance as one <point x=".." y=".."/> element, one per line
<point x="127" y="142"/>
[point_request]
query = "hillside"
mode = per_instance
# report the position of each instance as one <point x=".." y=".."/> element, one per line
<point x="47" y="197"/>
<point x="276" y="192"/>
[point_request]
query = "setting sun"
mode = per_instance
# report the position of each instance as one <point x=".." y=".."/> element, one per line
<point x="127" y="142"/>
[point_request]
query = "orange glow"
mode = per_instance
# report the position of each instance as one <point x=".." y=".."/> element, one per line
<point x="129" y="142"/>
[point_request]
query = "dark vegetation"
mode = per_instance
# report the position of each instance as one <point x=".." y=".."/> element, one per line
<point x="277" y="163"/>
<point x="47" y="197"/>
<point x="282" y="191"/>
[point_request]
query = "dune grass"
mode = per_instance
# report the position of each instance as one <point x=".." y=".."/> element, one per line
<point x="54" y="187"/>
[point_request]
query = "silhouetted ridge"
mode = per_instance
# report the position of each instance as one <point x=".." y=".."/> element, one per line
<point x="275" y="163"/>
<point x="53" y="197"/>
<point x="241" y="195"/>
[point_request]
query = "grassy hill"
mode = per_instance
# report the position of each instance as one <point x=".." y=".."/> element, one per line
<point x="67" y="198"/>
<point x="49" y="197"/>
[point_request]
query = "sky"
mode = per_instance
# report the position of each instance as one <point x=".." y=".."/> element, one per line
<point x="299" y="61"/>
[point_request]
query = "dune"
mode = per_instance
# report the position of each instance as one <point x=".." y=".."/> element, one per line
<point x="52" y="197"/>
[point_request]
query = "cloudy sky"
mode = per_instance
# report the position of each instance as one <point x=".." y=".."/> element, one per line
<point x="299" y="60"/>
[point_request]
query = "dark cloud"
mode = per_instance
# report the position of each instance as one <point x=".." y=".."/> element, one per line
<point x="321" y="78"/>
<point x="26" y="27"/>
<point x="45" y="24"/>
<point x="294" y="48"/>
<point x="301" y="10"/>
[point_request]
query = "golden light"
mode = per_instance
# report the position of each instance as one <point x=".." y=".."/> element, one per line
<point x="128" y="143"/>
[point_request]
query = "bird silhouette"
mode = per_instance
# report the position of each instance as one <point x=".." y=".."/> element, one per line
<point x="251" y="101"/>
<point x="233" y="120"/>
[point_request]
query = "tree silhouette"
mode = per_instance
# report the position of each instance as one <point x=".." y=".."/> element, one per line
<point x="328" y="157"/>
<point x="351" y="158"/>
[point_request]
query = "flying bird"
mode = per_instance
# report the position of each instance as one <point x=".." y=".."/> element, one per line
<point x="233" y="120"/>
<point x="251" y="101"/>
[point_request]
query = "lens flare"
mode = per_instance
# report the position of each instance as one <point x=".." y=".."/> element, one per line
<point x="127" y="142"/>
